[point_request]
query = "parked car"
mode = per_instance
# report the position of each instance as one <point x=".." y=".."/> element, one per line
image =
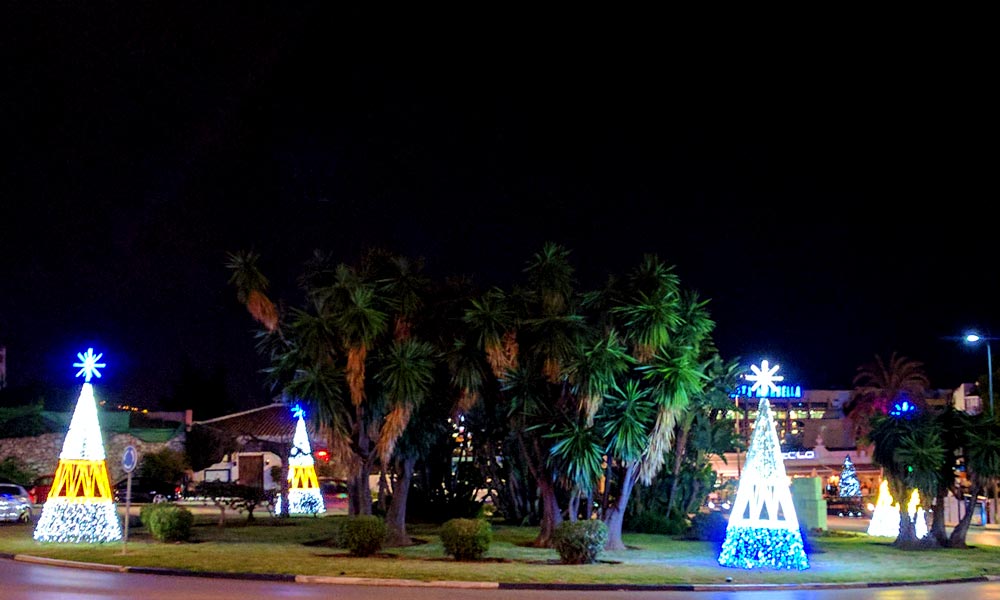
<point x="146" y="490"/>
<point x="334" y="492"/>
<point x="39" y="490"/>
<point x="15" y="504"/>
<point x="848" y="508"/>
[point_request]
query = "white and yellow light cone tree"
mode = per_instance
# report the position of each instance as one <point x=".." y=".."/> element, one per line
<point x="885" y="519"/>
<point x="304" y="497"/>
<point x="80" y="506"/>
<point x="763" y="529"/>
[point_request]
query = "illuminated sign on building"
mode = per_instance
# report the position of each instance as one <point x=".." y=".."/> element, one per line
<point x="798" y="455"/>
<point x="764" y="380"/>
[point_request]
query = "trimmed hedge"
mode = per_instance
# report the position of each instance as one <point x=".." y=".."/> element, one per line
<point x="708" y="527"/>
<point x="466" y="539"/>
<point x="363" y="535"/>
<point x="167" y="522"/>
<point x="579" y="542"/>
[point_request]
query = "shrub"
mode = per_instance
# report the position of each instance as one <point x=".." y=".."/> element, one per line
<point x="466" y="539"/>
<point x="363" y="535"/>
<point x="651" y="522"/>
<point x="579" y="542"/>
<point x="708" y="527"/>
<point x="167" y="522"/>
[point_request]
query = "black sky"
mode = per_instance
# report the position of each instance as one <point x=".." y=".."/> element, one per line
<point x="833" y="201"/>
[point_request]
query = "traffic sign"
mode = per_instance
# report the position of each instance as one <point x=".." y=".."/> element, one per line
<point x="129" y="458"/>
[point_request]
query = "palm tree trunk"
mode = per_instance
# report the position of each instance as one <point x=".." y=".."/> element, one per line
<point x="615" y="517"/>
<point x="396" y="517"/>
<point x="957" y="538"/>
<point x="551" y="516"/>
<point x="907" y="530"/>
<point x="938" y="532"/>
<point x="574" y="506"/>
<point x="679" y="444"/>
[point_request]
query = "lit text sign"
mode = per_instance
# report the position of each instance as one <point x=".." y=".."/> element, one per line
<point x="764" y="384"/>
<point x="798" y="455"/>
<point x="779" y="391"/>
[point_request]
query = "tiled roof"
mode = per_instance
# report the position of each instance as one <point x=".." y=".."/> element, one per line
<point x="274" y="422"/>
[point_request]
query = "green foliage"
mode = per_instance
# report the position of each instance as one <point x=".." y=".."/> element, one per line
<point x="243" y="498"/>
<point x="363" y="535"/>
<point x="579" y="542"/>
<point x="167" y="522"/>
<point x="448" y="494"/>
<point x="466" y="539"/>
<point x="205" y="446"/>
<point x="658" y="523"/>
<point x="22" y="421"/>
<point x="14" y="470"/>
<point x="708" y="527"/>
<point x="165" y="465"/>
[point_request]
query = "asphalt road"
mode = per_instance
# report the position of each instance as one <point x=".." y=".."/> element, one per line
<point x="33" y="581"/>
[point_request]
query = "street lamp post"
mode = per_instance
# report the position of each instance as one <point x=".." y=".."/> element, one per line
<point x="973" y="338"/>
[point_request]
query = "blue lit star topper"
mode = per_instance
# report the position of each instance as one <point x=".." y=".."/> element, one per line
<point x="764" y="378"/>
<point x="88" y="364"/>
<point x="297" y="412"/>
<point x="903" y="409"/>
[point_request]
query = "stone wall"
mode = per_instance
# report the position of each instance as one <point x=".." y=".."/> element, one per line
<point x="41" y="454"/>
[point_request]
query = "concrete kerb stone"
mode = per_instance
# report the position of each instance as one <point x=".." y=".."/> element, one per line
<point x="57" y="562"/>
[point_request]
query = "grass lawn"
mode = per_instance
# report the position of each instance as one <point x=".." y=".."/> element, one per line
<point x="300" y="546"/>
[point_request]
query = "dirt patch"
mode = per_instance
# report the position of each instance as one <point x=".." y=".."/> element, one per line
<point x="556" y="561"/>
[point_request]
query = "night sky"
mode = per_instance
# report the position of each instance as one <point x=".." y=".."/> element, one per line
<point x="833" y="205"/>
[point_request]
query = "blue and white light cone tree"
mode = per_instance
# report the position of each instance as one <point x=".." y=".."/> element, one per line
<point x="80" y="507"/>
<point x="304" y="497"/>
<point x="849" y="486"/>
<point x="763" y="529"/>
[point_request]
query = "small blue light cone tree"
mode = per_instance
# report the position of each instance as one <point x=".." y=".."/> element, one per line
<point x="849" y="486"/>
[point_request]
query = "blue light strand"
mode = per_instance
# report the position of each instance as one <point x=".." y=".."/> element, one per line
<point x="753" y="547"/>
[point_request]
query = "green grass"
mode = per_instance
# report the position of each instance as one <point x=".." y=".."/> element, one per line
<point x="299" y="546"/>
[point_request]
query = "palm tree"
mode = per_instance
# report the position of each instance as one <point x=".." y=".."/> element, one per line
<point x="879" y="385"/>
<point x="981" y="456"/>
<point x="628" y="421"/>
<point x="910" y="451"/>
<point x="251" y="286"/>
<point x="405" y="377"/>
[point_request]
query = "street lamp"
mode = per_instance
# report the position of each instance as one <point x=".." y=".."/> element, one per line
<point x="972" y="338"/>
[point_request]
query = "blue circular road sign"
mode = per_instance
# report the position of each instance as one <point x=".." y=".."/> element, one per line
<point x="129" y="458"/>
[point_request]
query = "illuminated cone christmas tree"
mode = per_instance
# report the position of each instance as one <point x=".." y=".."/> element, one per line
<point x="849" y="486"/>
<point x="80" y="507"/>
<point x="917" y="514"/>
<point x="885" y="520"/>
<point x="304" y="497"/>
<point x="763" y="529"/>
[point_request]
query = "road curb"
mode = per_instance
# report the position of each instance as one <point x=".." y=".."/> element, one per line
<point x="481" y="585"/>
<point x="58" y="562"/>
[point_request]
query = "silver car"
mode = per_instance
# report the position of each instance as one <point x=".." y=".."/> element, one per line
<point x="15" y="504"/>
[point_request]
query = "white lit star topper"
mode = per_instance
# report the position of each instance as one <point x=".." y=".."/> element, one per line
<point x="88" y="364"/>
<point x="764" y="378"/>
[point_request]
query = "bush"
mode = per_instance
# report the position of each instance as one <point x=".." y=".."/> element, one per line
<point x="363" y="535"/>
<point x="466" y="539"/>
<point x="708" y="527"/>
<point x="167" y="522"/>
<point x="579" y="542"/>
<point x="651" y="522"/>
